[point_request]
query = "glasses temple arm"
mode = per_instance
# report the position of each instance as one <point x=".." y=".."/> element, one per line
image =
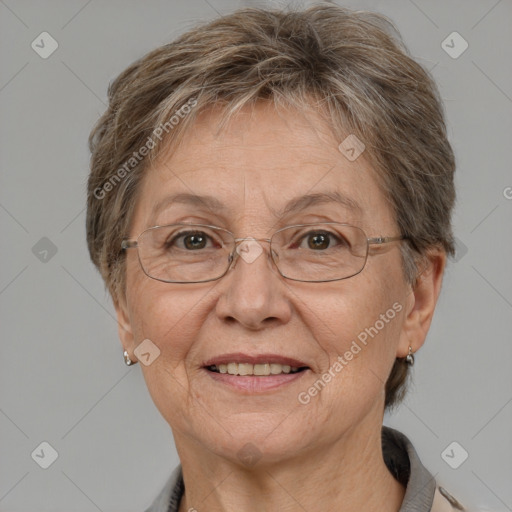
<point x="386" y="239"/>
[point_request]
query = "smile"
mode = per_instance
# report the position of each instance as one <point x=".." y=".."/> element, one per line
<point x="254" y="373"/>
<point x="258" y="370"/>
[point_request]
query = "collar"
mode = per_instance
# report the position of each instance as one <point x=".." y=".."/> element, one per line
<point x="405" y="465"/>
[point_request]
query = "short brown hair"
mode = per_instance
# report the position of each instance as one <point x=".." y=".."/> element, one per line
<point x="350" y="65"/>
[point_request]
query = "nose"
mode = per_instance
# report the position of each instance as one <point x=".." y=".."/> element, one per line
<point x="253" y="293"/>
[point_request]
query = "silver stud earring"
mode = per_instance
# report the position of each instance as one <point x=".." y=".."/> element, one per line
<point x="127" y="360"/>
<point x="409" y="358"/>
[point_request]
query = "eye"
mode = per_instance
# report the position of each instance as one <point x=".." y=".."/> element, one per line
<point x="318" y="240"/>
<point x="321" y="240"/>
<point x="189" y="240"/>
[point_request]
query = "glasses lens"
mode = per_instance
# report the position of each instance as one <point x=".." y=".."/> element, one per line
<point x="185" y="253"/>
<point x="320" y="252"/>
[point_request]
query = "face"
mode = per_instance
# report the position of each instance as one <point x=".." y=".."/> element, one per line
<point x="345" y="335"/>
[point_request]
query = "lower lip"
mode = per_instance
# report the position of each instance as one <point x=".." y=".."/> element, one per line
<point x="255" y="384"/>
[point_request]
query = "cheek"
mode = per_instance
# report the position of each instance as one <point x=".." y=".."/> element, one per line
<point x="357" y="328"/>
<point x="170" y="319"/>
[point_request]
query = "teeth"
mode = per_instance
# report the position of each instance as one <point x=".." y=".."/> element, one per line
<point x="254" y="369"/>
<point x="245" y="369"/>
<point x="262" y="369"/>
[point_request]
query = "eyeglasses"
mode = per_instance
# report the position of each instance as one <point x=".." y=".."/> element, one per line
<point x="198" y="253"/>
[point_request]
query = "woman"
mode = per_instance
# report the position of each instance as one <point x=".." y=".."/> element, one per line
<point x="269" y="205"/>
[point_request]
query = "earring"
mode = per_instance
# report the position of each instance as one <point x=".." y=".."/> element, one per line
<point x="409" y="358"/>
<point x="127" y="360"/>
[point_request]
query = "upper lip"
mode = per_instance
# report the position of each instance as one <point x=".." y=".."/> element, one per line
<point x="238" y="357"/>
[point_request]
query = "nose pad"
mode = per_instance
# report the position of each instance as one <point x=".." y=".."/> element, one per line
<point x="231" y="259"/>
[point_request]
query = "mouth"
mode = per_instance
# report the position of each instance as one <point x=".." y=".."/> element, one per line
<point x="256" y="370"/>
<point x="254" y="373"/>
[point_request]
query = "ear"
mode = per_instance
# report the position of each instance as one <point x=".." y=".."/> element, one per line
<point x="124" y="327"/>
<point x="421" y="303"/>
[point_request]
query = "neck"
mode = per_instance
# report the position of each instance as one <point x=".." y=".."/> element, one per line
<point x="349" y="475"/>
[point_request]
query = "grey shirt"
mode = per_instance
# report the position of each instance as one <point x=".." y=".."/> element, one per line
<point x="400" y="458"/>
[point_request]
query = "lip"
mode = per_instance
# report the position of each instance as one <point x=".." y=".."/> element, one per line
<point x="255" y="384"/>
<point x="251" y="384"/>
<point x="239" y="357"/>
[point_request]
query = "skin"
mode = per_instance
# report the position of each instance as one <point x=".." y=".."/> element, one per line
<point x="318" y="456"/>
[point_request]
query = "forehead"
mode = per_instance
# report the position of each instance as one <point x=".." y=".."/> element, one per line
<point x="261" y="164"/>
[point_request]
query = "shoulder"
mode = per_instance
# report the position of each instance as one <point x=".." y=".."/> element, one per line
<point x="423" y="493"/>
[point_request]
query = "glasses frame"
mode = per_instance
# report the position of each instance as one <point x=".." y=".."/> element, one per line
<point x="379" y="240"/>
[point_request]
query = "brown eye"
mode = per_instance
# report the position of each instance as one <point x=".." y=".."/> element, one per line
<point x="189" y="240"/>
<point x="318" y="241"/>
<point x="322" y="240"/>
<point x="194" y="241"/>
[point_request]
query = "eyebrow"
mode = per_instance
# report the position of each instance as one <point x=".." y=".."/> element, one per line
<point x="303" y="202"/>
<point x="294" y="205"/>
<point x="208" y="202"/>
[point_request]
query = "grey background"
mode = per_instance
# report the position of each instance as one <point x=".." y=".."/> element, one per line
<point x="62" y="377"/>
